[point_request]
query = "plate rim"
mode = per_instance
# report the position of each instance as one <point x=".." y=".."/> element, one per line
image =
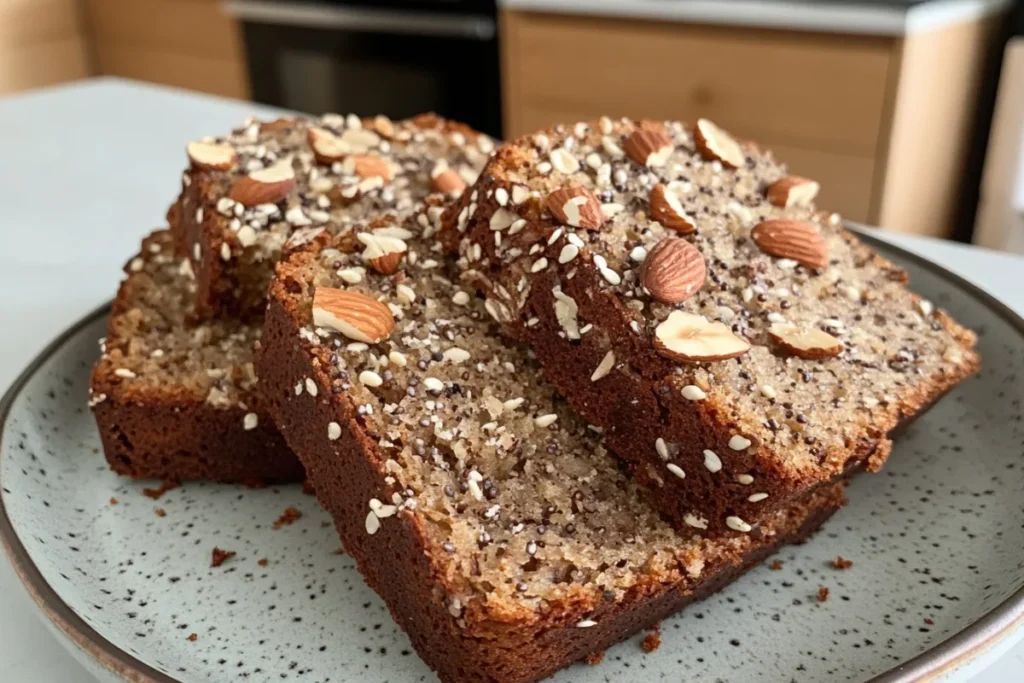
<point x="956" y="650"/>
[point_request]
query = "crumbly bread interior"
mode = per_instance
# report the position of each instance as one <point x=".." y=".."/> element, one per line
<point x="154" y="345"/>
<point x="520" y="502"/>
<point x="896" y="347"/>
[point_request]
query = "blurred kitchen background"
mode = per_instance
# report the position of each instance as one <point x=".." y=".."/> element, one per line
<point x="909" y="112"/>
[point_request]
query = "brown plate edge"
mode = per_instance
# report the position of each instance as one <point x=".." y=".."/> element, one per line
<point x="951" y="653"/>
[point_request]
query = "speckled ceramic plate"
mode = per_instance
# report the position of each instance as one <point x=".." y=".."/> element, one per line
<point x="936" y="540"/>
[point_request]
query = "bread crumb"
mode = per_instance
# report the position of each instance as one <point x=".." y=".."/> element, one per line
<point x="822" y="594"/>
<point x="776" y="565"/>
<point x="160" y="512"/>
<point x="221" y="556"/>
<point x="113" y="501"/>
<point x="165" y="486"/>
<point x="264" y="562"/>
<point x="339" y="550"/>
<point x="651" y="642"/>
<point x="193" y="638"/>
<point x="840" y="563"/>
<point x="289" y="516"/>
<point x="594" y="658"/>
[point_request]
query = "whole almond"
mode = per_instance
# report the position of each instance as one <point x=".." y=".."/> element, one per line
<point x="673" y="271"/>
<point x="355" y="315"/>
<point x="383" y="252"/>
<point x="576" y="206"/>
<point x="668" y="210"/>
<point x="800" y="241"/>
<point x="266" y="186"/>
<point x="648" y="147"/>
<point x="810" y="343"/>
<point x="717" y="145"/>
<point x="368" y="166"/>
<point x="278" y="124"/>
<point x="212" y="156"/>
<point x="384" y="126"/>
<point x="444" y="179"/>
<point x="792" y="191"/>
<point x="693" y="338"/>
<point x="327" y="147"/>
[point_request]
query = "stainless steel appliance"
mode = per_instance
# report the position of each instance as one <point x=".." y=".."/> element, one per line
<point x="396" y="57"/>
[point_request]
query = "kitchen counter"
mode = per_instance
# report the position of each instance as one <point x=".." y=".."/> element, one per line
<point x="834" y="16"/>
<point x="88" y="169"/>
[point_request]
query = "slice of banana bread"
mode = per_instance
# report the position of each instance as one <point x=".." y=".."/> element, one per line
<point x="246" y="193"/>
<point x="504" y="539"/>
<point x="681" y="291"/>
<point x="176" y="399"/>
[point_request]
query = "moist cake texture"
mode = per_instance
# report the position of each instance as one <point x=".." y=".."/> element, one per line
<point x="504" y="538"/>
<point x="736" y="345"/>
<point x="175" y="398"/>
<point x="245" y="193"/>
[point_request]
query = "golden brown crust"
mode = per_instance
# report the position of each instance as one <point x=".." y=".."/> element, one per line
<point x="163" y="426"/>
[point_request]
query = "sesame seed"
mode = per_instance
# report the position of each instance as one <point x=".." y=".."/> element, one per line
<point x="692" y="392"/>
<point x="298" y="388"/>
<point x="676" y="470"/>
<point x="433" y="384"/>
<point x="370" y="378"/>
<point x="757" y="497"/>
<point x="744" y="479"/>
<point x="125" y="373"/>
<point x="712" y="461"/>
<point x="611" y="276"/>
<point x="513" y="403"/>
<point x="250" y="421"/>
<point x="739" y="443"/>
<point x="586" y="623"/>
<point x="661" y="448"/>
<point x="737" y="524"/>
<point x="398" y="358"/>
<point x="460" y="298"/>
<point x="311" y="387"/>
<point x="539" y="265"/>
<point x="568" y="253"/>
<point x="333" y="431"/>
<point x="385" y="511"/>
<point x="638" y="254"/>
<point x="545" y="420"/>
<point x="695" y="521"/>
<point x="768" y="391"/>
<point x="372" y="523"/>
<point x="604" y="367"/>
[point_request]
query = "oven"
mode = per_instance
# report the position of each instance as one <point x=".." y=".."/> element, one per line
<point x="393" y="57"/>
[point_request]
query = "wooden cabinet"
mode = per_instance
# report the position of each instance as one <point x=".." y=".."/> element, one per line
<point x="42" y="42"/>
<point x="185" y="43"/>
<point x="864" y="115"/>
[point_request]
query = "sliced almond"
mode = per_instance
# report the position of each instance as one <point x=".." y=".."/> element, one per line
<point x="576" y="206"/>
<point x="648" y="147"/>
<point x="212" y="156"/>
<point x="717" y="145"/>
<point x="382" y="252"/>
<point x="800" y="241"/>
<point x="384" y="126"/>
<point x="327" y="147"/>
<point x="693" y="338"/>
<point x="564" y="161"/>
<point x="792" y="191"/>
<point x="355" y="315"/>
<point x="360" y="140"/>
<point x="266" y="186"/>
<point x="668" y="210"/>
<point x="809" y="343"/>
<point x="673" y="271"/>
<point x="444" y="179"/>
<point x="367" y="166"/>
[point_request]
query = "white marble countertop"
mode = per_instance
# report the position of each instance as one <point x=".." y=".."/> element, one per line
<point x="86" y="170"/>
<point x="833" y="16"/>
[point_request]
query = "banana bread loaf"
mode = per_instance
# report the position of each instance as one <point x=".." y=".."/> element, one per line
<point x="176" y="399"/>
<point x="244" y="194"/>
<point x="503" y="538"/>
<point x="680" y="289"/>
